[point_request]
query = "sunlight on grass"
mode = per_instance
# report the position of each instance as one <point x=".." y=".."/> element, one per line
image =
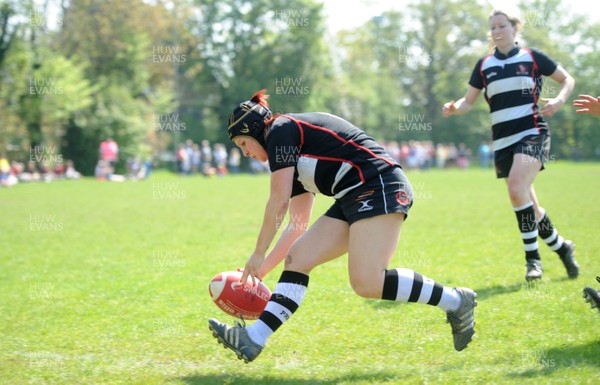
<point x="107" y="283"/>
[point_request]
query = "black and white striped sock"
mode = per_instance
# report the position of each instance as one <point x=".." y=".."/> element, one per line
<point x="550" y="235"/>
<point x="285" y="299"/>
<point x="529" y="230"/>
<point x="409" y="286"/>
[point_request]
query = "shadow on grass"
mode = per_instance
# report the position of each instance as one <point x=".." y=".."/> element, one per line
<point x="486" y="292"/>
<point x="546" y="362"/>
<point x="491" y="291"/>
<point x="283" y="379"/>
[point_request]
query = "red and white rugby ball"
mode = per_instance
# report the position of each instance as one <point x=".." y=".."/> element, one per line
<point x="237" y="299"/>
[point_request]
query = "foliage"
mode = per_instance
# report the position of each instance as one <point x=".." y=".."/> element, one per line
<point x="118" y="67"/>
<point x="277" y="45"/>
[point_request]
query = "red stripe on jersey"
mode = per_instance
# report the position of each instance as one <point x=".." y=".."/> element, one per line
<point x="534" y="71"/>
<point x="342" y="139"/>
<point x="485" y="84"/>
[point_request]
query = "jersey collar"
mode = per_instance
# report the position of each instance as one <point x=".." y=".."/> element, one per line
<point x="512" y="52"/>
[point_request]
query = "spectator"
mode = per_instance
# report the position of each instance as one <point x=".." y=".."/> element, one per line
<point x="182" y="161"/>
<point x="109" y="153"/>
<point x="70" y="172"/>
<point x="4" y="170"/>
<point x="441" y="155"/>
<point x="234" y="160"/>
<point x="463" y="156"/>
<point x="196" y="158"/>
<point x="220" y="156"/>
<point x="207" y="158"/>
<point x="484" y="154"/>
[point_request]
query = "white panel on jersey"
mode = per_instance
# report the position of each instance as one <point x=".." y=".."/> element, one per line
<point x="517" y="83"/>
<point x="306" y="173"/>
<point x="512" y="113"/>
<point x="344" y="191"/>
<point x="521" y="57"/>
<point x="343" y="170"/>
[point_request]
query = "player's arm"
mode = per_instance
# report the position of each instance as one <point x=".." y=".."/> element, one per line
<point x="463" y="105"/>
<point x="299" y="212"/>
<point x="567" y="83"/>
<point x="587" y="104"/>
<point x="276" y="208"/>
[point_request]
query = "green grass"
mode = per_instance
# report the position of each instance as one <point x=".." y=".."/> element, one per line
<point x="106" y="283"/>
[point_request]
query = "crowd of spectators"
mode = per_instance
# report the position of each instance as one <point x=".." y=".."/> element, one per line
<point x="14" y="171"/>
<point x="424" y="155"/>
<point x="193" y="158"/>
<point x="215" y="159"/>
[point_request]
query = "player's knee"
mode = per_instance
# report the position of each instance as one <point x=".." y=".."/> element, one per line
<point x="294" y="262"/>
<point x="517" y="192"/>
<point x="365" y="287"/>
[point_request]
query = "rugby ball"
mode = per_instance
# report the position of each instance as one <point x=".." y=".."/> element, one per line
<point x="237" y="299"/>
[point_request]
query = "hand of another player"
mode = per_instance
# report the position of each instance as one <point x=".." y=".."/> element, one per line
<point x="252" y="268"/>
<point x="449" y="109"/>
<point x="587" y="105"/>
<point x="552" y="105"/>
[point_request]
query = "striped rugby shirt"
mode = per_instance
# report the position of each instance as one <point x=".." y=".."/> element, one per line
<point x="330" y="155"/>
<point x="513" y="84"/>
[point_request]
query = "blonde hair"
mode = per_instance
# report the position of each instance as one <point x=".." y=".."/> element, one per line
<point x="512" y="19"/>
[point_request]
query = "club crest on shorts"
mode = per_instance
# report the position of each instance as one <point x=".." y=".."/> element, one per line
<point x="402" y="198"/>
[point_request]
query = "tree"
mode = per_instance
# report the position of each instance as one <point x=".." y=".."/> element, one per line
<point x="399" y="69"/>
<point x="116" y="39"/>
<point x="570" y="40"/>
<point x="248" y="46"/>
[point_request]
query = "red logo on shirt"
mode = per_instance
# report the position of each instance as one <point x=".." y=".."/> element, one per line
<point x="522" y="70"/>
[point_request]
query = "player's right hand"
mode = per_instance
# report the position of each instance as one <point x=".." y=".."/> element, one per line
<point x="252" y="268"/>
<point x="449" y="109"/>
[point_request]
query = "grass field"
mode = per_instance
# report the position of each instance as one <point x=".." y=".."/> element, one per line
<point x="106" y="283"/>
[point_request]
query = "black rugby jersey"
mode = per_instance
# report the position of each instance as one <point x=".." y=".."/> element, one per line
<point x="512" y="85"/>
<point x="330" y="155"/>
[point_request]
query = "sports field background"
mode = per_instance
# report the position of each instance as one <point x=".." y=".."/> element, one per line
<point x="106" y="283"/>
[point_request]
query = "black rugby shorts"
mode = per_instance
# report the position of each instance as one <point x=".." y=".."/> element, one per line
<point x="536" y="146"/>
<point x="387" y="193"/>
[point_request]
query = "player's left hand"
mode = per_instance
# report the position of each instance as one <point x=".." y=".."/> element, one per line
<point x="552" y="105"/>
